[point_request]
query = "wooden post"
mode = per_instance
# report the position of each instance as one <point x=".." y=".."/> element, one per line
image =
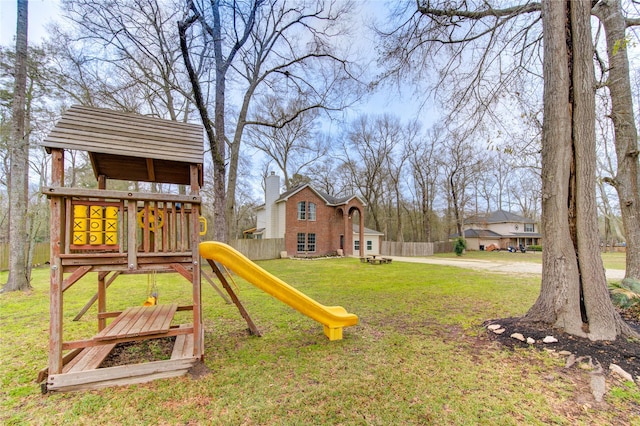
<point x="56" y="272"/>
<point x="132" y="234"/>
<point x="198" y="335"/>
<point x="102" y="300"/>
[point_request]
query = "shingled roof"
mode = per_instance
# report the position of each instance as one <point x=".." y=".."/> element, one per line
<point x="130" y="146"/>
<point x="330" y="200"/>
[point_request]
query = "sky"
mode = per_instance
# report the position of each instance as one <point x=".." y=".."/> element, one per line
<point x="40" y="13"/>
<point x="43" y="12"/>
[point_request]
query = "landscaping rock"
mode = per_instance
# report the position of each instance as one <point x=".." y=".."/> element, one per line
<point x="598" y="386"/>
<point x="549" y="339"/>
<point x="499" y="331"/>
<point x="531" y="340"/>
<point x="620" y="372"/>
<point x="494" y="327"/>
<point x="518" y="336"/>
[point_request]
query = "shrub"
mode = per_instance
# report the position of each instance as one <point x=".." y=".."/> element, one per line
<point x="625" y="294"/>
<point x="534" y="248"/>
<point x="459" y="246"/>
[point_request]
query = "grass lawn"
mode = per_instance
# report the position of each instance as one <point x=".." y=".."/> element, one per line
<point x="610" y="260"/>
<point x="418" y="356"/>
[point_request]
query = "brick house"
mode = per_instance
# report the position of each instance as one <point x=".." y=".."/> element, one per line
<point x="312" y="222"/>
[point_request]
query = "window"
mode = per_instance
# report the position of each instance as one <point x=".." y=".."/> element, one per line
<point x="306" y="242"/>
<point x="528" y="227"/>
<point x="311" y="242"/>
<point x="356" y="245"/>
<point x="312" y="211"/>
<point x="306" y="211"/>
<point x="369" y="245"/>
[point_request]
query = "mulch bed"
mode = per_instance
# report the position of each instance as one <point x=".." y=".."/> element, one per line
<point x="623" y="352"/>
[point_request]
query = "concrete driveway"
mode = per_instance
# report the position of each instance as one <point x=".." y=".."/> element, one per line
<point x="493" y="266"/>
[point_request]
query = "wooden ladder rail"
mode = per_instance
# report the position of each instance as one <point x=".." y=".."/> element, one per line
<point x="252" y="327"/>
<point x="209" y="279"/>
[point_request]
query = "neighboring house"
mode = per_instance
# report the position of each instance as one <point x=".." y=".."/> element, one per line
<point x="313" y="223"/>
<point x="501" y="228"/>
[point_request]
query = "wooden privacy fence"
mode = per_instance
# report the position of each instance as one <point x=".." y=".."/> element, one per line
<point x="40" y="255"/>
<point x="391" y="248"/>
<point x="260" y="249"/>
<point x="253" y="249"/>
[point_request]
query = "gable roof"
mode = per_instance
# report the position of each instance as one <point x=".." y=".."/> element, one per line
<point x="130" y="146"/>
<point x="499" y="216"/>
<point x="328" y="199"/>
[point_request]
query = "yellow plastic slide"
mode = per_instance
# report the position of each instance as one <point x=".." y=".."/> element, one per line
<point x="332" y="317"/>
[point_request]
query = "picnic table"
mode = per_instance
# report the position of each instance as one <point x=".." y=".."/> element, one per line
<point x="375" y="260"/>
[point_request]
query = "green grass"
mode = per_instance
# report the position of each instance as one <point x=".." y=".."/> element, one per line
<point x="418" y="356"/>
<point x="610" y="260"/>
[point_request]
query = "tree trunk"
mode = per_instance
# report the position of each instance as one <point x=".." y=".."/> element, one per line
<point x="627" y="179"/>
<point x="573" y="295"/>
<point x="19" y="164"/>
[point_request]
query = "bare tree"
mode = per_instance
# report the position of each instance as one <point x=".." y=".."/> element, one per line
<point x="122" y="55"/>
<point x="19" y="164"/>
<point x="574" y="294"/>
<point x="370" y="152"/>
<point x="295" y="146"/>
<point x="626" y="181"/>
<point x="270" y="46"/>
<point x="425" y="170"/>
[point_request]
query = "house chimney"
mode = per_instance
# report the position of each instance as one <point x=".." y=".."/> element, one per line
<point x="272" y="189"/>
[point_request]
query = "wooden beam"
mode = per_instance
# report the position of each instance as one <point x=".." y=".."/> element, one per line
<point x="183" y="271"/>
<point x="215" y="287"/>
<point x="57" y="221"/>
<point x="92" y="342"/>
<point x="119" y="375"/>
<point x="75" y="276"/>
<point x="252" y="327"/>
<point x="95" y="296"/>
<point x="151" y="171"/>
<point x="122" y="195"/>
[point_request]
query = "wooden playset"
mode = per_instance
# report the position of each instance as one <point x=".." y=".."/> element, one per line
<point x="112" y="233"/>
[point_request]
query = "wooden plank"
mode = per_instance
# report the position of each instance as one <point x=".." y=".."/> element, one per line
<point x="183" y="346"/>
<point x="89" y="358"/>
<point x="109" y="194"/>
<point x="136" y="122"/>
<point x="120" y="375"/>
<point x="140" y="146"/>
<point x="95" y="342"/>
<point x="160" y="322"/>
<point x="252" y="327"/>
<point x="42" y="374"/>
<point x="145" y="323"/>
<point x="75" y="276"/>
<point x="140" y="321"/>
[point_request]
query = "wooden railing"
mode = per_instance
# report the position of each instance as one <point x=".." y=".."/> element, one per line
<point x="126" y="225"/>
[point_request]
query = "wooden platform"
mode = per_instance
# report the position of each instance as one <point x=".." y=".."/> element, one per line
<point x="82" y="372"/>
<point x="140" y="321"/>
